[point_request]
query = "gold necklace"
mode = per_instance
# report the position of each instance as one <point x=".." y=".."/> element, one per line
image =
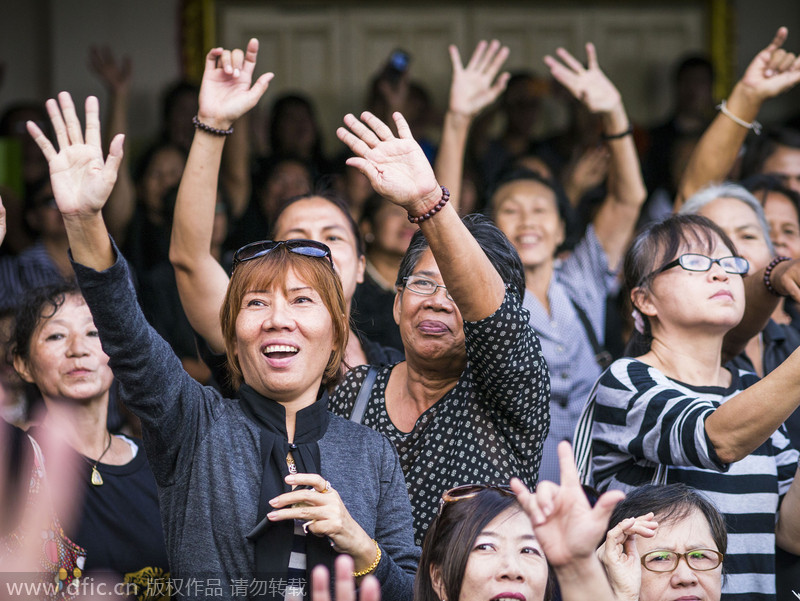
<point x="97" y="479"/>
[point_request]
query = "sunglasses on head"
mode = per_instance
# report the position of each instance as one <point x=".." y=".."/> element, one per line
<point x="307" y="248"/>
<point x="467" y="491"/>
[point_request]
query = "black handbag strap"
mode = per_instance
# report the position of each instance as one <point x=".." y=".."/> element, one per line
<point x="601" y="355"/>
<point x="360" y="406"/>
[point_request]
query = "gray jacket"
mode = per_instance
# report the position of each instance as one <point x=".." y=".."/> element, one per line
<point x="205" y="456"/>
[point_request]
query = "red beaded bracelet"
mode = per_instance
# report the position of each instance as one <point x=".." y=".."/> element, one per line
<point x="768" y="273"/>
<point x="438" y="207"/>
<point x="211" y="130"/>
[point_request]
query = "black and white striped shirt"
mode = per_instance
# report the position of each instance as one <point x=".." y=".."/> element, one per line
<point x="643" y="418"/>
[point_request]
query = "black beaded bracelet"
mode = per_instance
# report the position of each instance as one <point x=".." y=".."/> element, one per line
<point x="621" y="134"/>
<point x="438" y="207"/>
<point x="768" y="273"/>
<point x="211" y="130"/>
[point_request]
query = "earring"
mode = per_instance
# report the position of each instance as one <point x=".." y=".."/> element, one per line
<point x="369" y="238"/>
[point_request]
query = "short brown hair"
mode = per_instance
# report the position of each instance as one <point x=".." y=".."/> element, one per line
<point x="262" y="273"/>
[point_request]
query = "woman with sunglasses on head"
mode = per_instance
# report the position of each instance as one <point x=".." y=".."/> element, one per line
<point x="225" y="96"/>
<point x="676" y="414"/>
<point x="259" y="486"/>
<point x="470" y="401"/>
<point x="499" y="542"/>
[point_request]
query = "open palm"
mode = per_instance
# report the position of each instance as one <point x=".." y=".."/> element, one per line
<point x="588" y="84"/>
<point x="82" y="180"/>
<point x="396" y="167"/>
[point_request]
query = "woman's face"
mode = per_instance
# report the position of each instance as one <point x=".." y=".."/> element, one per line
<point x="691" y="532"/>
<point x="392" y="230"/>
<point x="784" y="224"/>
<point x="162" y="174"/>
<point x="284" y="339"/>
<point x="506" y="562"/>
<point x="66" y="361"/>
<point x="527" y="213"/>
<point x="431" y="326"/>
<point x="685" y="300"/>
<point x="318" y="219"/>
<point x="740" y="223"/>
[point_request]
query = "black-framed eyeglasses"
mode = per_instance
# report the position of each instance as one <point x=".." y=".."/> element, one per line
<point x="307" y="248"/>
<point x="424" y="286"/>
<point x="696" y="262"/>
<point x="700" y="560"/>
<point x="467" y="491"/>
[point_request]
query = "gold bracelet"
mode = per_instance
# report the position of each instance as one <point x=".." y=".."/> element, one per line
<point x="371" y="567"/>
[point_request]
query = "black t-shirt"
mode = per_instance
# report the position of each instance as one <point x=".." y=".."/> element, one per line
<point x="120" y="523"/>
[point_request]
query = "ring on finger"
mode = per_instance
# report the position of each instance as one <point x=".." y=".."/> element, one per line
<point x="327" y="488"/>
<point x="306" y="525"/>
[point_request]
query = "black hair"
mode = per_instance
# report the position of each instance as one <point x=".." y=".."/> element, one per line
<point x="760" y="148"/>
<point x="37" y="305"/>
<point x="279" y="108"/>
<point x="657" y="245"/>
<point x="766" y="183"/>
<point x="171" y="95"/>
<point x="449" y="540"/>
<point x="499" y="250"/>
<point x="671" y="503"/>
<point x="566" y="212"/>
<point x="149" y="155"/>
<point x="694" y="61"/>
<point x="336" y="200"/>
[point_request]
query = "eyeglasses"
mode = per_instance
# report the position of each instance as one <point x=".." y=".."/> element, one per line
<point x="700" y="560"/>
<point x="307" y="248"/>
<point x="467" y="491"/>
<point x="424" y="286"/>
<point x="695" y="262"/>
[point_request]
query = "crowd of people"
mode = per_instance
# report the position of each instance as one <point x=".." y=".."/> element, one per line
<point x="277" y="375"/>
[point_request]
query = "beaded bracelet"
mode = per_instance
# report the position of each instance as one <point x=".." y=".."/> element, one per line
<point x="438" y="207"/>
<point x="621" y="134"/>
<point x="211" y="130"/>
<point x="371" y="567"/>
<point x="768" y="273"/>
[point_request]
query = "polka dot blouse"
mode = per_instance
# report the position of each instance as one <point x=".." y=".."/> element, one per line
<point x="486" y="429"/>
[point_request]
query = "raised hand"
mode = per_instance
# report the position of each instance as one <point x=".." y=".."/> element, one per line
<point x="344" y="583"/>
<point x="395" y="166"/>
<point x="773" y="70"/>
<point x="588" y="84"/>
<point x="565" y="524"/>
<point x="476" y="86"/>
<point x="621" y="558"/>
<point x="116" y="76"/>
<point x="226" y="92"/>
<point x="82" y="180"/>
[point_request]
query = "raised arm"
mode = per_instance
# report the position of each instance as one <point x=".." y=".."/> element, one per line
<point x="226" y="94"/>
<point x="398" y="170"/>
<point x="116" y="78"/>
<point x="82" y="180"/>
<point x="772" y="72"/>
<point x="569" y="529"/>
<point x="472" y="89"/>
<point x="616" y="219"/>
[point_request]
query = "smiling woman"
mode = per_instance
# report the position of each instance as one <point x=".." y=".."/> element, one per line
<point x="56" y="347"/>
<point x="280" y="482"/>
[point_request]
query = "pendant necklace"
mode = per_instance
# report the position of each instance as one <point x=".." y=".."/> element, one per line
<point x="97" y="479"/>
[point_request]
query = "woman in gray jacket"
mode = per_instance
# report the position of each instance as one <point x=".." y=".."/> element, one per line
<point x="252" y="489"/>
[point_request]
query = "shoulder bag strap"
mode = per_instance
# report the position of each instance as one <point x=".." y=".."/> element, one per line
<point x="360" y="405"/>
<point x="601" y="355"/>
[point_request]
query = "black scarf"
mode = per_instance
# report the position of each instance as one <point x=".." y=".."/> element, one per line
<point x="274" y="544"/>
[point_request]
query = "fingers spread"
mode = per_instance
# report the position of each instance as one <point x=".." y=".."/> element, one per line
<point x="778" y="40"/>
<point x="47" y="148"/>
<point x="345" y="583"/>
<point x="320" y="591"/>
<point x="403" y="129"/>
<point x="477" y="55"/>
<point x="455" y="58"/>
<point x="379" y="127"/>
<point x="591" y="56"/>
<point x="93" y="121"/>
<point x="570" y="60"/>
<point x="70" y="118"/>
